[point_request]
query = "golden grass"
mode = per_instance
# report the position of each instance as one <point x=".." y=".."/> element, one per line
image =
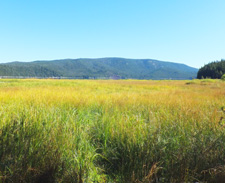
<point x="107" y="130"/>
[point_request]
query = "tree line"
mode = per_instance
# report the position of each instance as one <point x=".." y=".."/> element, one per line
<point x="213" y="70"/>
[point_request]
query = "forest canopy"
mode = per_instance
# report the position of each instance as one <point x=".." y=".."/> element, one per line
<point x="213" y="70"/>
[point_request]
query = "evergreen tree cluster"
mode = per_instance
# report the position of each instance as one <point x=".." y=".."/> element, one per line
<point x="213" y="70"/>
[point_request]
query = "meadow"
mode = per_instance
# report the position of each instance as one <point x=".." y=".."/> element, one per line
<point x="125" y="131"/>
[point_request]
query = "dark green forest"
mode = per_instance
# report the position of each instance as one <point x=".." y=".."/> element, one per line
<point x="213" y="70"/>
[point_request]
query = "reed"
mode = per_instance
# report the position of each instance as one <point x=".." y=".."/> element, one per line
<point x="112" y="131"/>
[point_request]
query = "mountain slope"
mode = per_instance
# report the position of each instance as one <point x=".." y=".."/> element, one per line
<point x="103" y="67"/>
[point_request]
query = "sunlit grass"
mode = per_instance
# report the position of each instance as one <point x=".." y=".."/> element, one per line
<point x="111" y="131"/>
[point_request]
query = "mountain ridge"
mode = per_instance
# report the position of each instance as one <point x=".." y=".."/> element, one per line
<point x="100" y="67"/>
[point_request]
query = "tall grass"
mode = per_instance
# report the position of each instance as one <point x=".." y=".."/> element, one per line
<point x="111" y="131"/>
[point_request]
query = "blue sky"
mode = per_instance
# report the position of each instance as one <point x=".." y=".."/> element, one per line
<point x="190" y="32"/>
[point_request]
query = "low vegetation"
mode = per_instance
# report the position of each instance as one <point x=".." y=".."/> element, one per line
<point x="112" y="131"/>
<point x="223" y="77"/>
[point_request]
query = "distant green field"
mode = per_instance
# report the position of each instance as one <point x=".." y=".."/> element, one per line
<point x="124" y="131"/>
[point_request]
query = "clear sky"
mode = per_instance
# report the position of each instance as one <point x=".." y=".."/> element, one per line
<point x="184" y="31"/>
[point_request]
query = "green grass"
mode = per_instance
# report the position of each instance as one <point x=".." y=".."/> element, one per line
<point x="111" y="131"/>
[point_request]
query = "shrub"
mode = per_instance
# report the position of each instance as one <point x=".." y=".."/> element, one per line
<point x="223" y="77"/>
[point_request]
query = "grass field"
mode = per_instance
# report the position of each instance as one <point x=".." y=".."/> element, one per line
<point x="112" y="131"/>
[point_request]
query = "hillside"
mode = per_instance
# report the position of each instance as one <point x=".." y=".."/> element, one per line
<point x="97" y="68"/>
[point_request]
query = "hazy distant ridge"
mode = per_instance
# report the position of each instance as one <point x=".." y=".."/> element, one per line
<point x="102" y="67"/>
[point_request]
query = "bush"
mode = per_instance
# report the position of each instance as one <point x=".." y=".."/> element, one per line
<point x="223" y="77"/>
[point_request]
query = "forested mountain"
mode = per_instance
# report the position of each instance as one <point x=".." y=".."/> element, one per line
<point x="213" y="70"/>
<point x="97" y="68"/>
